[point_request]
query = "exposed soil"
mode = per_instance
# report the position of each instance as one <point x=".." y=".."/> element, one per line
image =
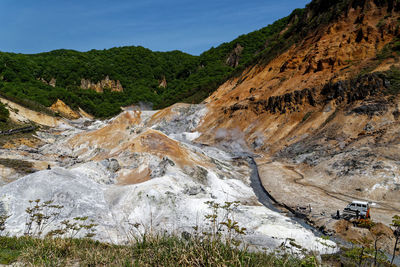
<point x="321" y="119"/>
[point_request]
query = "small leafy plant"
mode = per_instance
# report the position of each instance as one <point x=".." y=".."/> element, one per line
<point x="40" y="216"/>
<point x="70" y="229"/>
<point x="227" y="224"/>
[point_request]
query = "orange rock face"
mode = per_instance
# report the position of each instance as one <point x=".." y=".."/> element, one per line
<point x="321" y="110"/>
<point x="64" y="110"/>
<point x="335" y="52"/>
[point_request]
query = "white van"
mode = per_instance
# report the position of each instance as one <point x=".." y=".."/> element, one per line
<point x="359" y="207"/>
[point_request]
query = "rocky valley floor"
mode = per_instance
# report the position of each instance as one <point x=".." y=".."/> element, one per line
<point x="142" y="171"/>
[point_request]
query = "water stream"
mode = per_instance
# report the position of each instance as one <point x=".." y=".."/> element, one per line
<point x="265" y="198"/>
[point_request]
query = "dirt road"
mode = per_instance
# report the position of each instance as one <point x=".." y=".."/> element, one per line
<point x="289" y="186"/>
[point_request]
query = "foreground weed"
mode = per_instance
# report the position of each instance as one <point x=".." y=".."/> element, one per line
<point x="40" y="216"/>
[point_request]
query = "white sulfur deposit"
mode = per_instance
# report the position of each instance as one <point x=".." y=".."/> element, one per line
<point x="149" y="173"/>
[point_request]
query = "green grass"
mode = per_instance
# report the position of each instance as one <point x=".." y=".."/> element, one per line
<point x="151" y="251"/>
<point x="12" y="247"/>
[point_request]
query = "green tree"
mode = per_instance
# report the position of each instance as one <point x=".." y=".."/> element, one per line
<point x="4" y="113"/>
<point x="396" y="225"/>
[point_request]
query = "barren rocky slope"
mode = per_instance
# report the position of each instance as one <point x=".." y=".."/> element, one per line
<point x="323" y="116"/>
<point x="140" y="172"/>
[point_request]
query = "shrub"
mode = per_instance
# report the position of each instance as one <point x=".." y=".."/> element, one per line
<point x="4" y="113"/>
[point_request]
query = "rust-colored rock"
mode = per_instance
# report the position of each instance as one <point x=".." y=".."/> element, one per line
<point x="64" y="110"/>
<point x="320" y="115"/>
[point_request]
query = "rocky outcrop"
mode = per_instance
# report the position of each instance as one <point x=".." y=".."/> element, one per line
<point x="114" y="86"/>
<point x="64" y="110"/>
<point x="234" y="57"/>
<point x="371" y="109"/>
<point x="288" y="102"/>
<point x="163" y="83"/>
<point x="355" y="89"/>
<point x="276" y="104"/>
<point x="26" y="129"/>
<point x="347" y="91"/>
<point x="52" y="81"/>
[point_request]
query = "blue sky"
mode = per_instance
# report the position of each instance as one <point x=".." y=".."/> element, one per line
<point x="32" y="26"/>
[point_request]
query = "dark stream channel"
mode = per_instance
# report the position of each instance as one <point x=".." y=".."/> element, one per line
<point x="265" y="198"/>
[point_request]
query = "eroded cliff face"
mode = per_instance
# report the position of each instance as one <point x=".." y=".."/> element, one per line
<point x="325" y="109"/>
<point x="114" y="86"/>
<point x="234" y="57"/>
<point x="295" y="81"/>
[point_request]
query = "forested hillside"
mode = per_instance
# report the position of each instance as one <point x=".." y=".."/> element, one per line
<point x="139" y="70"/>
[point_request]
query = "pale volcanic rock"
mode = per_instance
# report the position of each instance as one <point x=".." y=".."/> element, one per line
<point x="21" y="114"/>
<point x="52" y="82"/>
<point x="114" y="86"/>
<point x="84" y="114"/>
<point x="130" y="170"/>
<point x="159" y="202"/>
<point x="7" y="175"/>
<point x="163" y="83"/>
